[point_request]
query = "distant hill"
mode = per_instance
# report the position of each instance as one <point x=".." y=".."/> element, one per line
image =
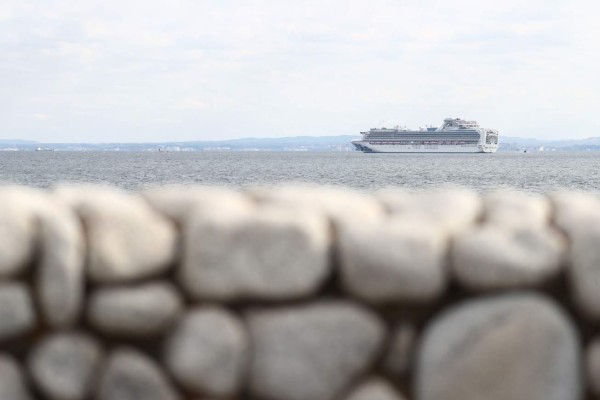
<point x="4" y="142"/>
<point x="296" y="143"/>
<point x="312" y="143"/>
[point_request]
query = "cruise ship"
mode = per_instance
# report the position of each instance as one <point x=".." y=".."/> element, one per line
<point x="454" y="136"/>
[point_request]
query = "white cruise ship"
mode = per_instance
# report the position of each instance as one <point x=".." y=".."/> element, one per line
<point x="454" y="136"/>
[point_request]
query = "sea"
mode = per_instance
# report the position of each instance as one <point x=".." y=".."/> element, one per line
<point x="541" y="172"/>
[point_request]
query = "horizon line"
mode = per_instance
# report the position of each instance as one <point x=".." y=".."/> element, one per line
<point x="28" y="141"/>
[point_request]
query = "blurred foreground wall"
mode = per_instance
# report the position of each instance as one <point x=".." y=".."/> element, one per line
<point x="298" y="293"/>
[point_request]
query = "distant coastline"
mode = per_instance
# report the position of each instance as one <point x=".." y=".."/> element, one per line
<point x="296" y="143"/>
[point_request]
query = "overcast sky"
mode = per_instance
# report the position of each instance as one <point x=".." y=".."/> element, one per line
<point x="154" y="70"/>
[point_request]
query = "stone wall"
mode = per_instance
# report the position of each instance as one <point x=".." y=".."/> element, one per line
<point x="298" y="293"/>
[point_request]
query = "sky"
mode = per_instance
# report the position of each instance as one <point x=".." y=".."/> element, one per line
<point x="169" y="70"/>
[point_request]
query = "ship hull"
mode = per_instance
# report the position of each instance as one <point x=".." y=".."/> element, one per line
<point x="367" y="147"/>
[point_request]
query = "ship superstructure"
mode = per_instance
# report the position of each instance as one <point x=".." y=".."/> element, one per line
<point x="454" y="136"/>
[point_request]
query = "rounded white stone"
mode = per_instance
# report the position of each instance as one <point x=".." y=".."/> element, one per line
<point x="269" y="253"/>
<point x="508" y="347"/>
<point x="60" y="275"/>
<point x="513" y="208"/>
<point x="336" y="203"/>
<point x="390" y="261"/>
<point x="144" y="310"/>
<point x="451" y="210"/>
<point x="496" y="257"/>
<point x="206" y="353"/>
<point x="127" y="239"/>
<point x="574" y="211"/>
<point x="17" y="315"/>
<point x="64" y="365"/>
<point x="129" y="374"/>
<point x="180" y="202"/>
<point x="18" y="231"/>
<point x="311" y="351"/>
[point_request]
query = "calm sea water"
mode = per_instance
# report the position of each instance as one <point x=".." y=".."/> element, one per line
<point x="539" y="172"/>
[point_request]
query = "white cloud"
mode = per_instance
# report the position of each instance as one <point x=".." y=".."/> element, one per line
<point x="5" y="11"/>
<point x="192" y="104"/>
<point x="114" y="70"/>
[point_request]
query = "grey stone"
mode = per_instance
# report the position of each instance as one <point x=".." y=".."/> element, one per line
<point x="592" y="367"/>
<point x="388" y="261"/>
<point x="451" y="210"/>
<point x="496" y="257"/>
<point x="179" y="203"/>
<point x="60" y="270"/>
<point x="311" y="351"/>
<point x="584" y="270"/>
<point x="17" y="231"/>
<point x="337" y="204"/>
<point x="399" y="355"/>
<point x="127" y="239"/>
<point x="17" y="316"/>
<point x="129" y="374"/>
<point x="513" y="208"/>
<point x="57" y="235"/>
<point x="12" y="382"/>
<point x="574" y="211"/>
<point x="375" y="389"/>
<point x="64" y="366"/>
<point x="508" y="347"/>
<point x="269" y="253"/>
<point x="207" y="352"/>
<point x="144" y="310"/>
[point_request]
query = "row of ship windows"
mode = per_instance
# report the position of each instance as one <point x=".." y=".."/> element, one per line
<point x="463" y="133"/>
<point x="434" y="143"/>
<point x="462" y="137"/>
